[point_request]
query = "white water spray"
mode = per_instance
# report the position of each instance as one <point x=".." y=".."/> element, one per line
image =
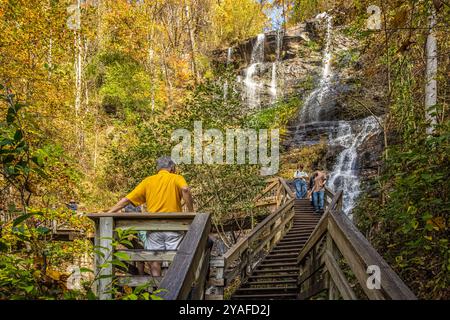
<point x="311" y="110"/>
<point x="349" y="134"/>
<point x="225" y="85"/>
<point x="252" y="87"/>
<point x="273" y="81"/>
<point x="345" y="174"/>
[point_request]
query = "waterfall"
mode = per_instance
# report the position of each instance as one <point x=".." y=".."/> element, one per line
<point x="229" y="53"/>
<point x="225" y="84"/>
<point x="348" y="135"/>
<point x="345" y="173"/>
<point x="252" y="87"/>
<point x="273" y="82"/>
<point x="311" y="107"/>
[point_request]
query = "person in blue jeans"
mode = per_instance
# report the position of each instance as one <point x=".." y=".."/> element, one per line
<point x="319" y="191"/>
<point x="300" y="178"/>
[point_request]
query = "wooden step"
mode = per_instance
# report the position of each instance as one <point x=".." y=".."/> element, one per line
<point x="296" y="235"/>
<point x="286" y="270"/>
<point x="300" y="231"/>
<point x="271" y="282"/>
<point x="295" y="238"/>
<point x="292" y="255"/>
<point x="299" y="226"/>
<point x="253" y="289"/>
<point x="292" y="259"/>
<point x="277" y="296"/>
<point x="291" y="237"/>
<point x="283" y="276"/>
<point x="295" y="243"/>
<point x="303" y="226"/>
<point x="268" y="290"/>
<point x="278" y="264"/>
<point x="295" y="251"/>
<point x="289" y="246"/>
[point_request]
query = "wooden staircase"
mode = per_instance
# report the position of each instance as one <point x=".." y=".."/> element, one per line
<point x="292" y="254"/>
<point x="276" y="275"/>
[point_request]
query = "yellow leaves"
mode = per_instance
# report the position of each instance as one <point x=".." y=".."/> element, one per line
<point x="234" y="21"/>
<point x="127" y="290"/>
<point x="428" y="237"/>
<point x="438" y="223"/>
<point x="37" y="274"/>
<point x="53" y="274"/>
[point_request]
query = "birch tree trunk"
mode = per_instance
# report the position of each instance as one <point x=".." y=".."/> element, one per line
<point x="431" y="72"/>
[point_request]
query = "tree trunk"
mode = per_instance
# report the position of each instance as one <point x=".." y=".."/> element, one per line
<point x="430" y="73"/>
<point x="192" y="41"/>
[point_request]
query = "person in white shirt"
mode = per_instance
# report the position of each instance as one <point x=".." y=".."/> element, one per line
<point x="300" y="182"/>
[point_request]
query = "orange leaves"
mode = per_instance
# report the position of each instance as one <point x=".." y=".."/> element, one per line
<point x="438" y="223"/>
<point x="53" y="274"/>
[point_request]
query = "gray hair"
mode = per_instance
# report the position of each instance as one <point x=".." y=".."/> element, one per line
<point x="164" y="163"/>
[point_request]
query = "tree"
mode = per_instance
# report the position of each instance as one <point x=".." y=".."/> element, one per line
<point x="234" y="21"/>
<point x="431" y="72"/>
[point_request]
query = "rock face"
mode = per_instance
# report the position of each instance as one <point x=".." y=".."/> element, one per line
<point x="317" y="63"/>
<point x="290" y="63"/>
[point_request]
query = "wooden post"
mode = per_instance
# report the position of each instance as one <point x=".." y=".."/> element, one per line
<point x="331" y="289"/>
<point x="216" y="279"/>
<point x="198" y="290"/>
<point x="331" y="248"/>
<point x="104" y="234"/>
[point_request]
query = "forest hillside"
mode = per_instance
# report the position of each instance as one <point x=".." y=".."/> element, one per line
<point x="91" y="92"/>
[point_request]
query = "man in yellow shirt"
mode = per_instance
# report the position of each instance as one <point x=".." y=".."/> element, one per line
<point x="161" y="192"/>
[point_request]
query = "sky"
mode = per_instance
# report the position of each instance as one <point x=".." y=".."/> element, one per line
<point x="276" y="18"/>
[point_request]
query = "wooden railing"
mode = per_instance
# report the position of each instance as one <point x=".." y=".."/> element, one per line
<point x="338" y="261"/>
<point x="275" y="194"/>
<point x="60" y="229"/>
<point x="241" y="258"/>
<point x="186" y="275"/>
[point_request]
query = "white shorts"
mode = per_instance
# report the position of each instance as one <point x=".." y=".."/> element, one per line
<point x="161" y="240"/>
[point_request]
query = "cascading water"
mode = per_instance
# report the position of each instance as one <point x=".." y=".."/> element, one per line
<point x="345" y="172"/>
<point x="348" y="135"/>
<point x="273" y="82"/>
<point x="252" y="87"/>
<point x="225" y="85"/>
<point x="229" y="53"/>
<point x="311" y="107"/>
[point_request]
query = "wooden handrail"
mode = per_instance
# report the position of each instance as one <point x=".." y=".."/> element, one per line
<point x="192" y="253"/>
<point x="186" y="275"/>
<point x="235" y="251"/>
<point x="335" y="240"/>
<point x="142" y="216"/>
<point x="250" y="249"/>
<point x="275" y="194"/>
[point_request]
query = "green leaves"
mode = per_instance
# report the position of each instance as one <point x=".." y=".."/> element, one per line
<point x="122" y="256"/>
<point x="13" y="111"/>
<point x="24" y="217"/>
